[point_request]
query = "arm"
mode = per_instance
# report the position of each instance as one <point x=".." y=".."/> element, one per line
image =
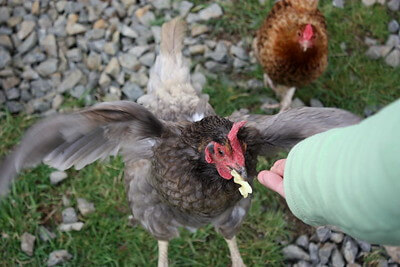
<point x="350" y="178"/>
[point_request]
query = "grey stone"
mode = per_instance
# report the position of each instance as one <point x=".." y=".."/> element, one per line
<point x="255" y="84"/>
<point x="337" y="237"/>
<point x="373" y="52"/>
<point x="365" y="246"/>
<point x="211" y="12"/>
<point x="382" y="263"/>
<point x="93" y="61"/>
<point x="215" y="66"/>
<point x="156" y="30"/>
<point x="66" y="201"/>
<point x="111" y="48"/>
<point x="325" y="252"/>
<point x="198" y="29"/>
<point x="368" y="2"/>
<point x="220" y="54"/>
<point x="349" y="250"/>
<point x="25" y="29"/>
<point x="47" y="67"/>
<point x="239" y="52"/>
<point x="12" y="94"/>
<point x="58" y="28"/>
<point x="6" y="42"/>
<point x="393" y="41"/>
<point x="128" y="3"/>
<point x="69" y="215"/>
<point x="95" y="34"/>
<point x="5" y="58"/>
<point x="85" y="207"/>
<point x="393" y="26"/>
<point x="337" y="259"/>
<point x="185" y="7"/>
<point x="370" y="41"/>
<point x="70" y="80"/>
<point x="139" y="50"/>
<point x="128" y="32"/>
<point x="129" y="61"/>
<point x="45" y="235"/>
<point x="393" y="59"/>
<point x="113" y="68"/>
<point x="4" y="14"/>
<point x="56" y="102"/>
<point x="57" y="177"/>
<point x="302" y="241"/>
<point x="238" y="63"/>
<point x="74" y="55"/>
<point x="14" y="107"/>
<point x="316" y="103"/>
<point x="33" y="57"/>
<point x="147" y="18"/>
<point x="140" y="78"/>
<point x="197" y="49"/>
<point x="394" y="5"/>
<point x="104" y="80"/>
<point x="29" y="42"/>
<point x="161" y="4"/>
<point x="38" y="105"/>
<point x="27" y="243"/>
<point x="97" y="45"/>
<point x="132" y="91"/>
<point x="68" y="227"/>
<point x="313" y="251"/>
<point x="338" y="3"/>
<point x="25" y="95"/>
<point x="29" y="74"/>
<point x="2" y="97"/>
<point x="75" y="28"/>
<point x="40" y="87"/>
<point x="293" y="252"/>
<point x="302" y="264"/>
<point x="58" y="257"/>
<point x="10" y="82"/>
<point x="323" y="233"/>
<point x="147" y="59"/>
<point x="297" y="103"/>
<point x="78" y="91"/>
<point x="192" y="18"/>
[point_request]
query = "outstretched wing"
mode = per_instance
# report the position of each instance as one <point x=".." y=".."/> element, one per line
<point x="81" y="138"/>
<point x="290" y="127"/>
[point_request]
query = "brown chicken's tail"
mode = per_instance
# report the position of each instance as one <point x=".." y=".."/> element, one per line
<point x="304" y="4"/>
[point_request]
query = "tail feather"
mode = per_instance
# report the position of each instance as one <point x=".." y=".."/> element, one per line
<point x="170" y="67"/>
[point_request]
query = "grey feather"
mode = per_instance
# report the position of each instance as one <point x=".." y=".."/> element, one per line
<point x="81" y="138"/>
<point x="289" y="127"/>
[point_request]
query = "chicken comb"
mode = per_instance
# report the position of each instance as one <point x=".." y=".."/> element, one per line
<point x="308" y="32"/>
<point x="232" y="136"/>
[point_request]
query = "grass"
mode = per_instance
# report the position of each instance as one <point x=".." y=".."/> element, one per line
<point x="351" y="82"/>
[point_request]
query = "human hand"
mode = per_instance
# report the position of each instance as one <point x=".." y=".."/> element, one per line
<point x="273" y="179"/>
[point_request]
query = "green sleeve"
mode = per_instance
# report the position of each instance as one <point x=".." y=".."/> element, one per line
<point x="350" y="178"/>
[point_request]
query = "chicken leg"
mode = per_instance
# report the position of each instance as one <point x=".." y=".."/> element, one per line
<point x="162" y="253"/>
<point x="285" y="94"/>
<point x="235" y="254"/>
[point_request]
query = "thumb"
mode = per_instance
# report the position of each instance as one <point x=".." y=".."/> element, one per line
<point x="272" y="181"/>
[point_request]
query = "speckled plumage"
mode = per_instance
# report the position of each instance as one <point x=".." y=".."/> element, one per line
<point x="279" y="52"/>
<point x="169" y="183"/>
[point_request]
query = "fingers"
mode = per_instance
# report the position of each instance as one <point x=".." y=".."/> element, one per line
<point x="279" y="167"/>
<point x="272" y="180"/>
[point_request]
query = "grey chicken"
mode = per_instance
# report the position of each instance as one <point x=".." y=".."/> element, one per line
<point x="179" y="156"/>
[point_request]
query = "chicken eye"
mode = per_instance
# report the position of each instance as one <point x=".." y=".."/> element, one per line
<point x="299" y="33"/>
<point x="221" y="153"/>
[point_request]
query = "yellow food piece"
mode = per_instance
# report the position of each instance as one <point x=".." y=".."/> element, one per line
<point x="244" y="189"/>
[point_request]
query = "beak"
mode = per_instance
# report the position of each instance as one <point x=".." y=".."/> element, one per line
<point x="242" y="172"/>
<point x="305" y="45"/>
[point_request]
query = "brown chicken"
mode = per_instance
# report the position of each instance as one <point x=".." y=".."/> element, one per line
<point x="181" y="161"/>
<point x="292" y="47"/>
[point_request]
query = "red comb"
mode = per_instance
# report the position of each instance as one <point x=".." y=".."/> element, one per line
<point x="233" y="139"/>
<point x="308" y="32"/>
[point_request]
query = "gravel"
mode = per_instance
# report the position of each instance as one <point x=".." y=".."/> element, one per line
<point x="57" y="176"/>
<point x="58" y="257"/>
<point x="85" y="207"/>
<point x="293" y="252"/>
<point x="69" y="216"/>
<point x="27" y="243"/>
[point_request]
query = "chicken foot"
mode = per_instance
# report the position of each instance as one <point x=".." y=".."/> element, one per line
<point x="235" y="254"/>
<point x="162" y="253"/>
<point x="285" y="93"/>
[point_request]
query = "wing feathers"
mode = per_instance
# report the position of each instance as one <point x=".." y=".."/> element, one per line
<point x="81" y="138"/>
